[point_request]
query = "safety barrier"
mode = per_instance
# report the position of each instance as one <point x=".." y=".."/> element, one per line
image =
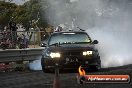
<point x="28" y="54"/>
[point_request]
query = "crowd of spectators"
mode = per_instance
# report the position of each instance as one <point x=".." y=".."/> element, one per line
<point x="9" y="38"/>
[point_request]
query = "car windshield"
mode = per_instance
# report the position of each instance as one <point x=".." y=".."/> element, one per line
<point x="63" y="38"/>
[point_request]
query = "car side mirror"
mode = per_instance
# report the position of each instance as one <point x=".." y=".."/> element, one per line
<point x="43" y="44"/>
<point x="95" y="42"/>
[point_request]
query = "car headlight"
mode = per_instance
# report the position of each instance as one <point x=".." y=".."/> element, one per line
<point x="85" y="53"/>
<point x="55" y="55"/>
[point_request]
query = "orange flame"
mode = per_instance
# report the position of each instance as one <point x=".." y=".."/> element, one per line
<point x="81" y="71"/>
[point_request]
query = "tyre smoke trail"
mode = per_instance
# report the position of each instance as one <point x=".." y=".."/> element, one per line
<point x="108" y="21"/>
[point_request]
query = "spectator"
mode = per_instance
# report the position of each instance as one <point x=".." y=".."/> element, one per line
<point x="13" y="29"/>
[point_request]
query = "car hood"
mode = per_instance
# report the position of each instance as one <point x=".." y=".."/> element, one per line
<point x="71" y="47"/>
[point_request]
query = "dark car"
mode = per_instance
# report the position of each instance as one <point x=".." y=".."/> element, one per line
<point x="69" y="50"/>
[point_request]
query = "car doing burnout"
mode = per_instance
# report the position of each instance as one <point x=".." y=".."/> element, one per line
<point x="69" y="50"/>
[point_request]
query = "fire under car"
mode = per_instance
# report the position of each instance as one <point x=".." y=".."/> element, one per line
<point x="69" y="50"/>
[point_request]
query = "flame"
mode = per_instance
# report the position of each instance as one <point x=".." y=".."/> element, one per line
<point x="81" y="71"/>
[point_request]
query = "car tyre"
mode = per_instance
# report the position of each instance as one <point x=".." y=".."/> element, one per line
<point x="45" y="70"/>
<point x="96" y="67"/>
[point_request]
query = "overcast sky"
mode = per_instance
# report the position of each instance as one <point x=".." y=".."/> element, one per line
<point x="19" y="2"/>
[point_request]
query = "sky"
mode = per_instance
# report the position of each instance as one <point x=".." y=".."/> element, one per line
<point x="19" y="2"/>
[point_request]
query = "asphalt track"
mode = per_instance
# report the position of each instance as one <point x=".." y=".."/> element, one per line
<point x="38" y="79"/>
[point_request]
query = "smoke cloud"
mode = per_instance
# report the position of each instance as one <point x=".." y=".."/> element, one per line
<point x="108" y="21"/>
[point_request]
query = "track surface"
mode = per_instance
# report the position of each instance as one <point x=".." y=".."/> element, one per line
<point x="68" y="80"/>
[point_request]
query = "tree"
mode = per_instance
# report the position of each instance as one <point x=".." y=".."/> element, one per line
<point x="24" y="14"/>
<point x="6" y="9"/>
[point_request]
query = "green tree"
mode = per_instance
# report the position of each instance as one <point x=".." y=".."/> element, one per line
<point x="6" y="10"/>
<point x="29" y="14"/>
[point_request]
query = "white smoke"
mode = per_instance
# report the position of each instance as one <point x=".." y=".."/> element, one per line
<point x="114" y="47"/>
<point x="35" y="65"/>
<point x="108" y="21"/>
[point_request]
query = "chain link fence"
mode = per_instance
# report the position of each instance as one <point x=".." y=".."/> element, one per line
<point x="21" y="39"/>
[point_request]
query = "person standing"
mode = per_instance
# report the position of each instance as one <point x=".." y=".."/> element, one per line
<point x="13" y="29"/>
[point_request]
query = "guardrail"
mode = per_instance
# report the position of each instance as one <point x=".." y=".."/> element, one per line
<point x="28" y="54"/>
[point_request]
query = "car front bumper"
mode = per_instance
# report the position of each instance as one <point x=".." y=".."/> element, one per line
<point x="71" y="62"/>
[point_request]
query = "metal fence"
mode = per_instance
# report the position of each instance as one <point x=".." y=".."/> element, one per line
<point x="21" y="39"/>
